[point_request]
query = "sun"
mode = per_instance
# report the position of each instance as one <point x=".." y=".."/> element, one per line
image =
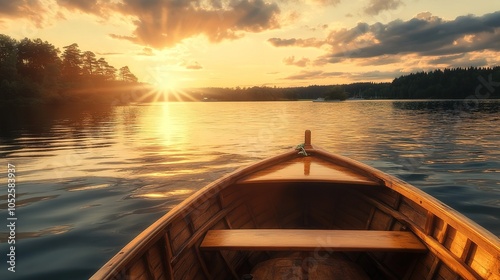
<point x="164" y="84"/>
<point x="165" y="89"/>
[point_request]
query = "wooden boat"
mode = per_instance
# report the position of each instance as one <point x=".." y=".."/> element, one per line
<point x="320" y="216"/>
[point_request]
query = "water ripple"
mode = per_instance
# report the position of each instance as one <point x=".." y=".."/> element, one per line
<point x="90" y="180"/>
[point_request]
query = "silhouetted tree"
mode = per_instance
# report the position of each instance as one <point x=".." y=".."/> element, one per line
<point x="126" y="75"/>
<point x="37" y="60"/>
<point x="89" y="64"/>
<point x="72" y="63"/>
<point x="8" y="58"/>
<point x="105" y="71"/>
<point x="337" y="93"/>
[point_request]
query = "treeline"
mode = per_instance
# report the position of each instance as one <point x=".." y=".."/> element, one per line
<point x="456" y="83"/>
<point x="33" y="71"/>
<point x="264" y="93"/>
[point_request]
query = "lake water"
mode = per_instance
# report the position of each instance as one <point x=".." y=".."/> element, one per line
<point x="88" y="181"/>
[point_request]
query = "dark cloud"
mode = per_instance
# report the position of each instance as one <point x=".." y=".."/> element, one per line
<point x="163" y="24"/>
<point x="459" y="60"/>
<point x="424" y="35"/>
<point x="447" y="59"/>
<point x="376" y="75"/>
<point x="354" y="76"/>
<point x="428" y="37"/>
<point x="377" y="6"/>
<point x="380" y="60"/>
<point x="303" y="62"/>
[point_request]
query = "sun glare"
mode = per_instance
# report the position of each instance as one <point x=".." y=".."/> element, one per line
<point x="168" y="90"/>
<point x="167" y="82"/>
<point x="166" y="85"/>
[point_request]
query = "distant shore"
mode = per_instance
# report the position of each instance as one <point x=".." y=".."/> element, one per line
<point x="475" y="83"/>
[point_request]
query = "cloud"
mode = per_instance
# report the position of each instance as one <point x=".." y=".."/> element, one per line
<point x="426" y="16"/>
<point x="307" y="75"/>
<point x="376" y="75"/>
<point x="447" y="59"/>
<point x="87" y="6"/>
<point x="193" y="65"/>
<point x="161" y="24"/>
<point x="32" y="10"/>
<point x="303" y="62"/>
<point x="429" y="36"/>
<point x="377" y="6"/>
<point x="146" y="52"/>
<point x="318" y="27"/>
<point x="354" y="76"/>
<point x="327" y="2"/>
<point x="109" y="53"/>
<point x="459" y="60"/>
<point x="310" y="42"/>
<point x="380" y="60"/>
<point x="425" y="36"/>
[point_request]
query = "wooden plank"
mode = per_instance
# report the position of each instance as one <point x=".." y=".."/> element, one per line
<point x="429" y="223"/>
<point x="311" y="240"/>
<point x="167" y="251"/>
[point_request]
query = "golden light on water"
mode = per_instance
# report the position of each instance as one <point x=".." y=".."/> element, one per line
<point x="91" y="187"/>
<point x="164" y="194"/>
<point x="169" y="125"/>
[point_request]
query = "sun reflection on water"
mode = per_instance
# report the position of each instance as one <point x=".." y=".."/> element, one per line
<point x="177" y="192"/>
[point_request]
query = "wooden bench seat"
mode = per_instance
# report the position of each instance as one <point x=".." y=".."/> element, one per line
<point x="311" y="240"/>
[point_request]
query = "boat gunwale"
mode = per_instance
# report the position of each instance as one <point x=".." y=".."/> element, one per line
<point x="457" y="220"/>
<point x="155" y="231"/>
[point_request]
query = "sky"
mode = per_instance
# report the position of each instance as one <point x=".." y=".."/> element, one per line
<point x="283" y="43"/>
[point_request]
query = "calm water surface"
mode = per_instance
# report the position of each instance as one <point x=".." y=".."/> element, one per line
<point x="88" y="181"/>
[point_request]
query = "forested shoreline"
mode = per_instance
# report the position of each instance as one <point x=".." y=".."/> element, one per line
<point x="36" y="72"/>
<point x="456" y="83"/>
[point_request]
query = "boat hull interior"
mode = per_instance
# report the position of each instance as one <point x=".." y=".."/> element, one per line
<point x="256" y="198"/>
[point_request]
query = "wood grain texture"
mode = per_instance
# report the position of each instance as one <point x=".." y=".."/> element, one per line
<point x="295" y="267"/>
<point x="311" y="240"/>
<point x="308" y="169"/>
